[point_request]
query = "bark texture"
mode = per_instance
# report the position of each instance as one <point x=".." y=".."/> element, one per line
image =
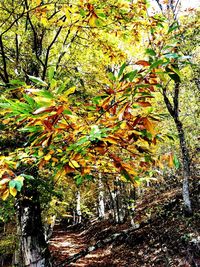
<point x="33" y="250"/>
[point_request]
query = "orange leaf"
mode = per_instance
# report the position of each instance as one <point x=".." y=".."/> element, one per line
<point x="5" y="194"/>
<point x="143" y="63"/>
<point x="170" y="162"/>
<point x="85" y="170"/>
<point x="148" y="125"/>
<point x="144" y="104"/>
<point x="60" y="110"/>
<point x="68" y="169"/>
<point x="106" y="102"/>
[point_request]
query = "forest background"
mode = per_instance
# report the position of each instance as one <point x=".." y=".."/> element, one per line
<point x="99" y="107"/>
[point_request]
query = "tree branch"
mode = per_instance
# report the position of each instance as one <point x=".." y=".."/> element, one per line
<point x="49" y="48"/>
<point x="176" y="99"/>
<point x="167" y="102"/>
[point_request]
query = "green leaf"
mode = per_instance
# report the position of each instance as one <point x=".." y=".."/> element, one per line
<point x="102" y="15"/>
<point x="82" y="12"/>
<point x="4" y="105"/>
<point x="28" y="177"/>
<point x="51" y="72"/>
<point x="18" y="185"/>
<point x="37" y="80"/>
<point x="122" y="69"/>
<point x="30" y="100"/>
<point x="79" y="179"/>
<point x="156" y="64"/>
<point x="171" y="55"/>
<point x="96" y="100"/>
<point x="150" y="52"/>
<point x="88" y="177"/>
<point x="31" y="129"/>
<point x="17" y="82"/>
<point x="67" y="112"/>
<point x="176" y="162"/>
<point x="12" y="183"/>
<point x="130" y="75"/>
<point x="173" y="27"/>
<point x="111" y="76"/>
<point x="174" y="76"/>
<point x="61" y="88"/>
<point x="126" y="175"/>
<point x="45" y="94"/>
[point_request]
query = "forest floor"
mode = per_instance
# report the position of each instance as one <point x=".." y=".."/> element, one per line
<point x="164" y="237"/>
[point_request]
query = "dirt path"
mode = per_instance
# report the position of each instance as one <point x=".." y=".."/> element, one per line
<point x="66" y="243"/>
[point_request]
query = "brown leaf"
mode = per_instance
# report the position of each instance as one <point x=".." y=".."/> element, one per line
<point x="148" y="125"/>
<point x="60" y="110"/>
<point x="144" y="104"/>
<point x="143" y="63"/>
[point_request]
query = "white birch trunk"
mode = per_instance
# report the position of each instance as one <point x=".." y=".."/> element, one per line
<point x="78" y="207"/>
<point x="101" y="206"/>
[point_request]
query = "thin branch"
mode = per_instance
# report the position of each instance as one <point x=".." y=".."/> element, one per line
<point x="34" y="35"/>
<point x="49" y="48"/>
<point x="167" y="102"/>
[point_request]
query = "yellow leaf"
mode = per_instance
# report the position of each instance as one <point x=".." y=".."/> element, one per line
<point x="53" y="164"/>
<point x="44" y="21"/>
<point x="67" y="13"/>
<point x="70" y="91"/>
<point x="74" y="164"/>
<point x="5" y="194"/>
<point x="13" y="191"/>
<point x="47" y="157"/>
<point x="59" y="150"/>
<point x="40" y="153"/>
<point x="123" y="125"/>
<point x="112" y="140"/>
<point x="92" y="20"/>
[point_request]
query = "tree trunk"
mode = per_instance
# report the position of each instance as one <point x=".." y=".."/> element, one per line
<point x="78" y="207"/>
<point x="101" y="206"/>
<point x="119" y="208"/>
<point x="32" y="250"/>
<point x="174" y="112"/>
<point x="186" y="166"/>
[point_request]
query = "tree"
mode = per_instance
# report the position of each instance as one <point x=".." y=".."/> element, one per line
<point x="174" y="59"/>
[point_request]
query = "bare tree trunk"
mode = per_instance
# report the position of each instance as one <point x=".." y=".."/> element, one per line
<point x="78" y="207"/>
<point x="101" y="206"/>
<point x="33" y="250"/>
<point x="119" y="208"/>
<point x="186" y="166"/>
<point x="174" y="112"/>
